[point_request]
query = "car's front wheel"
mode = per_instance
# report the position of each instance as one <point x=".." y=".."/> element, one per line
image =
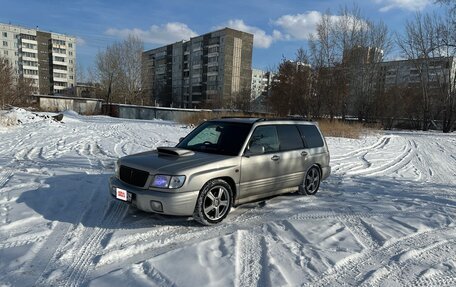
<point x="214" y="202"/>
<point x="311" y="182"/>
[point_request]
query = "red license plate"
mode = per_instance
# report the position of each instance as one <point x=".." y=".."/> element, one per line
<point x="121" y="194"/>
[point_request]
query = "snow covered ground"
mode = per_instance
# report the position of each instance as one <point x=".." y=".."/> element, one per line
<point x="385" y="217"/>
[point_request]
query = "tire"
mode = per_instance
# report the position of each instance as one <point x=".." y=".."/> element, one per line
<point x="214" y="202"/>
<point x="311" y="182"/>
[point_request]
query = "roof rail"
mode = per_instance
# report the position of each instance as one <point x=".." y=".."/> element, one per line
<point x="285" y="119"/>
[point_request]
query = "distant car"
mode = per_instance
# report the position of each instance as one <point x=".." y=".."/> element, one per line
<point x="224" y="163"/>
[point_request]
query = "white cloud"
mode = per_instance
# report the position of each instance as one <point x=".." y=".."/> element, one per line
<point x="412" y="5"/>
<point x="160" y="35"/>
<point x="299" y="26"/>
<point x="302" y="26"/>
<point x="80" y="41"/>
<point x="260" y="38"/>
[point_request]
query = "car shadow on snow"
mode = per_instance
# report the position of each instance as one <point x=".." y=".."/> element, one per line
<point x="84" y="199"/>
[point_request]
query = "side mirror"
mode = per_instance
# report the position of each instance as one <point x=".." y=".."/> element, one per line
<point x="254" y="150"/>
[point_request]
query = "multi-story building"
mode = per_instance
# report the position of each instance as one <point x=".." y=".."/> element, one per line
<point x="261" y="83"/>
<point x="436" y="72"/>
<point x="46" y="58"/>
<point x="359" y="55"/>
<point x="206" y="70"/>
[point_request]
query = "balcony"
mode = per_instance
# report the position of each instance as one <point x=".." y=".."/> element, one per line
<point x="34" y="42"/>
<point x="55" y="62"/>
<point x="59" y="71"/>
<point x="27" y="67"/>
<point x="29" y="59"/>
<point x="59" y="88"/>
<point x="35" y="77"/>
<point x="56" y="54"/>
<point x="29" y="50"/>
<point x="59" y="79"/>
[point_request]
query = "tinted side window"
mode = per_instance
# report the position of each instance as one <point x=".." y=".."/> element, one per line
<point x="311" y="136"/>
<point x="289" y="137"/>
<point x="265" y="136"/>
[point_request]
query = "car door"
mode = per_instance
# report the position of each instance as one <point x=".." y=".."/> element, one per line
<point x="260" y="164"/>
<point x="293" y="155"/>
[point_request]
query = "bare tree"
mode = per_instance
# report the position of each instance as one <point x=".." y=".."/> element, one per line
<point x="291" y="89"/>
<point x="362" y="44"/>
<point x="6" y="82"/>
<point x="13" y="90"/>
<point x="119" y="70"/>
<point x="346" y="52"/>
<point x="428" y="41"/>
<point x="242" y="99"/>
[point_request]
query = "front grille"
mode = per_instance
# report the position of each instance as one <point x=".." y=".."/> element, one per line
<point x="133" y="176"/>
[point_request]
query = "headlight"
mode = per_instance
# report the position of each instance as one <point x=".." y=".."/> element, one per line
<point x="168" y="181"/>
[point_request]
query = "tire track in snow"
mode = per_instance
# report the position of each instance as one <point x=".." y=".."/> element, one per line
<point x="84" y="259"/>
<point x="351" y="268"/>
<point x="359" y="229"/>
<point x="431" y="254"/>
<point x="5" y="196"/>
<point x="248" y="258"/>
<point x="23" y="240"/>
<point x="400" y="161"/>
<point x="438" y="280"/>
<point x="82" y="255"/>
<point x="380" y="144"/>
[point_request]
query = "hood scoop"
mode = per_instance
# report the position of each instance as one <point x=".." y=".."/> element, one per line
<point x="174" y="151"/>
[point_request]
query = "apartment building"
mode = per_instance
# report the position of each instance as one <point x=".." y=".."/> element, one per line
<point x="46" y="58"/>
<point x="437" y="72"/>
<point x="207" y="70"/>
<point x="261" y="83"/>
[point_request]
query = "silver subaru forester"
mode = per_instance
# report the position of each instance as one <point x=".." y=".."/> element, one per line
<point x="224" y="163"/>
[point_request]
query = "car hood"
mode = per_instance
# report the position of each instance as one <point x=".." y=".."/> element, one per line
<point x="170" y="160"/>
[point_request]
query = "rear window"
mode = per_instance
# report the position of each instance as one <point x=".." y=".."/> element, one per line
<point x="289" y="137"/>
<point x="311" y="136"/>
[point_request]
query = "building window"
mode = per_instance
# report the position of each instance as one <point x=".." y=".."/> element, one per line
<point x="5" y="44"/>
<point x="5" y="34"/>
<point x="59" y="59"/>
<point x="29" y="55"/>
<point x="70" y="45"/>
<point x="213" y="50"/>
<point x="213" y="59"/>
<point x="5" y="52"/>
<point x="58" y="42"/>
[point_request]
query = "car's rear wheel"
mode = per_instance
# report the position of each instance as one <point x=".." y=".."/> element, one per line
<point x="214" y="202"/>
<point x="311" y="182"/>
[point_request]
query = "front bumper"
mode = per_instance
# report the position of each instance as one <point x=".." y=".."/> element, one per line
<point x="173" y="202"/>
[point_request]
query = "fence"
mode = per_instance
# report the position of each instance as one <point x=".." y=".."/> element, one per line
<point x="84" y="106"/>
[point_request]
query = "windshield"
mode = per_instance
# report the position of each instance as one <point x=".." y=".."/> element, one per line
<point x="217" y="137"/>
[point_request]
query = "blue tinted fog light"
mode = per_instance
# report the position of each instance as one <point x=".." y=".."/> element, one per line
<point x="156" y="206"/>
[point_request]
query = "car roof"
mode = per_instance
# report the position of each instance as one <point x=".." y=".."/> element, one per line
<point x="252" y="120"/>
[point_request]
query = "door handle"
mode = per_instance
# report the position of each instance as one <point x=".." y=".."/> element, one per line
<point x="275" y="158"/>
<point x="304" y="153"/>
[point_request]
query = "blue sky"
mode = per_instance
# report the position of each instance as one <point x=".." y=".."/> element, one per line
<point x="280" y="27"/>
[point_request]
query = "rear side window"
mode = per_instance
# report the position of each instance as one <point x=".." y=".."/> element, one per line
<point x="311" y="136"/>
<point x="289" y="137"/>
